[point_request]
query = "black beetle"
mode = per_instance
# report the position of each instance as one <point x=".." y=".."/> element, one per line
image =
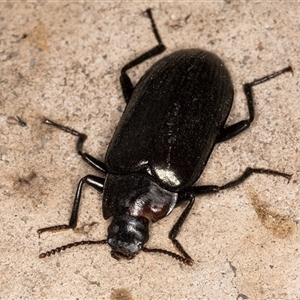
<point x="174" y="117"/>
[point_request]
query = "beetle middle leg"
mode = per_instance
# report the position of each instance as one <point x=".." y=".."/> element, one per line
<point x="235" y="129"/>
<point x="92" y="161"/>
<point x="190" y="194"/>
<point x="94" y="181"/>
<point x="207" y="189"/>
<point x="126" y="84"/>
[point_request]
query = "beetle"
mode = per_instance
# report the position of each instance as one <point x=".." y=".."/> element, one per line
<point x="174" y="117"/>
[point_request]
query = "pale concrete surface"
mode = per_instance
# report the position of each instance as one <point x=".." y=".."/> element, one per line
<point x="63" y="61"/>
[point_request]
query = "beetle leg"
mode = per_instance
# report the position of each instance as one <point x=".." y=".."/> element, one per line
<point x="176" y="228"/>
<point x="126" y="84"/>
<point x="231" y="131"/>
<point x="92" y="161"/>
<point x="95" y="182"/>
<point x="208" y="189"/>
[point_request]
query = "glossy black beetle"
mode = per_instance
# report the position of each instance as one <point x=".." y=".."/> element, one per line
<point x="174" y="116"/>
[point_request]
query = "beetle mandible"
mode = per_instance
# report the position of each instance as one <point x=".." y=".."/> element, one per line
<point x="174" y="116"/>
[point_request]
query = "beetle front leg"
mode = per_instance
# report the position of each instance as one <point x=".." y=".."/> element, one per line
<point x="92" y="161"/>
<point x="126" y="84"/>
<point x="176" y="228"/>
<point x="95" y="182"/>
<point x="231" y="131"/>
<point x="208" y="189"/>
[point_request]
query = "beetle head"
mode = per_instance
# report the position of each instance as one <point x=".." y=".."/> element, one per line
<point x="127" y="235"/>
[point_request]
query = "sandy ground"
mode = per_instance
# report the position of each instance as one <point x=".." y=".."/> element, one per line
<point x="63" y="61"/>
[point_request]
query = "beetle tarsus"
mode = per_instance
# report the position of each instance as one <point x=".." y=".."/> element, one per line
<point x="186" y="260"/>
<point x="53" y="228"/>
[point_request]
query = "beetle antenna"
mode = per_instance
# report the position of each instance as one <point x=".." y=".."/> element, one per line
<point x="58" y="249"/>
<point x="186" y="260"/>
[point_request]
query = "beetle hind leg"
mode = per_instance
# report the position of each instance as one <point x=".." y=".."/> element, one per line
<point x="126" y="84"/>
<point x="235" y="129"/>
